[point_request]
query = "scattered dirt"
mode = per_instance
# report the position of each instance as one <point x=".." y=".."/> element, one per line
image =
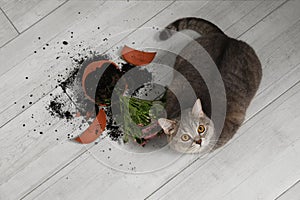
<point x="97" y="86"/>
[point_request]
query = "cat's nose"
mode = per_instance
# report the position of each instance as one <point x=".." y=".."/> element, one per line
<point x="198" y="140"/>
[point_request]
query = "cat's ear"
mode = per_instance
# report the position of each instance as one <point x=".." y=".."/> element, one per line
<point x="197" y="109"/>
<point x="167" y="125"/>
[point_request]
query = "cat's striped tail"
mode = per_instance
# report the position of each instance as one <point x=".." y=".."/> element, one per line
<point x="199" y="25"/>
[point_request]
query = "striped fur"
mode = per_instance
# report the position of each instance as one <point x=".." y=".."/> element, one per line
<point x="237" y="63"/>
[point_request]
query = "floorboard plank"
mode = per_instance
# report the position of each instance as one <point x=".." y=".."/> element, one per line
<point x="24" y="14"/>
<point x="7" y="31"/>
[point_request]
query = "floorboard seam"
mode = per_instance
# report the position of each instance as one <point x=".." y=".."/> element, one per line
<point x="48" y="178"/>
<point x="243" y="17"/>
<point x="52" y="11"/>
<point x="263" y="18"/>
<point x="49" y="40"/>
<point x="25" y="109"/>
<point x="282" y="77"/>
<point x="287" y="190"/>
<point x="19" y="33"/>
<point x="9" y="21"/>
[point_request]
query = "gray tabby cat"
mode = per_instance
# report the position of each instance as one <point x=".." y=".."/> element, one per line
<point x="241" y="72"/>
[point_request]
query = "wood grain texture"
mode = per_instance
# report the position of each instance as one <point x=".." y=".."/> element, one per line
<point x="25" y="13"/>
<point x="7" y="31"/>
<point x="43" y="167"/>
<point x="63" y="181"/>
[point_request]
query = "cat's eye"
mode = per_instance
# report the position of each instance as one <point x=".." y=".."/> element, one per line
<point x="201" y="129"/>
<point x="185" y="137"/>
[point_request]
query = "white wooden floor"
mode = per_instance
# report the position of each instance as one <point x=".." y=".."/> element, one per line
<point x="261" y="162"/>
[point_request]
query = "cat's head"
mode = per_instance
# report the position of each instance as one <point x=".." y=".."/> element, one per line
<point x="195" y="132"/>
